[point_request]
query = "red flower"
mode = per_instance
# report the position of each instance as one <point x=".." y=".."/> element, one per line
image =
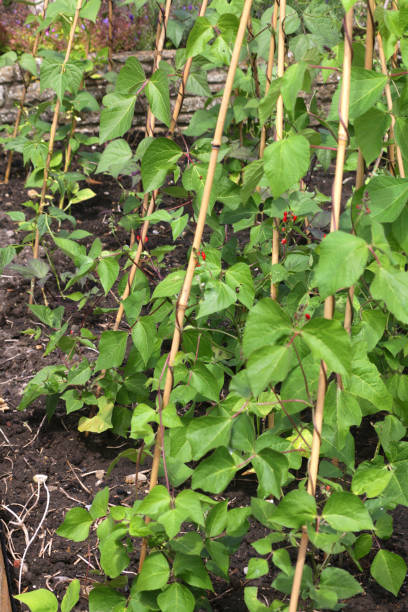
<point x="283" y="241"/>
<point x="307" y="316"/>
<point x="138" y="238"/>
<point x="285" y="216"/>
<point x="294" y="217"/>
<point x="146" y="239"/>
<point x="203" y="255"/>
<point x="283" y="229"/>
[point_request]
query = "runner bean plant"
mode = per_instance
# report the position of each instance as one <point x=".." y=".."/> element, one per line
<point x="282" y="337"/>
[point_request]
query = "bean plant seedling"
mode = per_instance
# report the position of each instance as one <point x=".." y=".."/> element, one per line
<point x="283" y="334"/>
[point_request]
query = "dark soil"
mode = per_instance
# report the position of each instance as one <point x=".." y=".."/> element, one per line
<point x="76" y="464"/>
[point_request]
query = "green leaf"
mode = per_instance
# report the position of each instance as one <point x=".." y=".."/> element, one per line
<point x="27" y="62"/>
<point x="329" y="341"/>
<point x="116" y="118"/>
<point x="39" y="601"/>
<point x="348" y="4"/>
<point x="217" y="296"/>
<point x="266" y="324"/>
<point x="388" y="197"/>
<point x="130" y="78"/>
<point x="156" y="502"/>
<point x="286" y="162"/>
<point x="112" y="348"/>
<point x="115" y="157"/>
<point x="214" y="473"/>
<point x="389" y="570"/>
<point x="160" y="158"/>
<point x="114" y="556"/>
<point x="102" y="420"/>
<point x="268" y="365"/>
<point x="257" y="568"/>
<point x="190" y="568"/>
<point x="170" y="286"/>
<point x="342" y="259"/>
<point x="176" y="598"/>
<point x="371" y="479"/>
<point x="292" y="83"/>
<point x="341" y="582"/>
<point x="52" y="318"/>
<point x="76" y="525"/>
<point x="144" y="337"/>
<point x="71" y="596"/>
<point x="251" y="177"/>
<point x="239" y="278"/>
<point x="252" y="602"/>
<point x="366" y="87"/>
<point x="157" y="93"/>
<point x="99" y="507"/>
<point x="201" y="33"/>
<point x="369" y="130"/>
<point x="56" y="75"/>
<point x="104" y="599"/>
<point x="295" y="509"/>
<point x="391" y="286"/>
<point x="271" y="468"/>
<point x="216" y="520"/>
<point x="366" y="382"/>
<point x="155" y="573"/>
<point x="208" y="432"/>
<point x="90" y="10"/>
<point x="7" y="254"/>
<point x="108" y="271"/>
<point x="346" y="512"/>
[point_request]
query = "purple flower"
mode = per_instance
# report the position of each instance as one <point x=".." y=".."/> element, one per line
<point x="106" y="20"/>
<point x="131" y="17"/>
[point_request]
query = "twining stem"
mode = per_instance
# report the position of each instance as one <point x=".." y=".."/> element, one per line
<point x="183" y="298"/>
<point x="368" y="64"/>
<point x="182" y="88"/>
<point x="23" y="96"/>
<point x="329" y="302"/>
<point x="152" y="203"/>
<point x="393" y="149"/>
<point x="269" y="69"/>
<point x="279" y="130"/>
<point x="53" y="130"/>
<point x="110" y="35"/>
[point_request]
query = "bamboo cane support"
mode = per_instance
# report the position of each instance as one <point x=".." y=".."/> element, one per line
<point x="5" y="603"/>
<point x="368" y="64"/>
<point x="184" y="295"/>
<point x="52" y="138"/>
<point x="329" y="302"/>
<point x="269" y="70"/>
<point x="152" y="204"/>
<point x="23" y="97"/>
<point x="279" y="130"/>
<point x="393" y="149"/>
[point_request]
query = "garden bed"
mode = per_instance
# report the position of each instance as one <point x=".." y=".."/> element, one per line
<point x="76" y="464"/>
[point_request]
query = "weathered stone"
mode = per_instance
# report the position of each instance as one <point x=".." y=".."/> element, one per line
<point x="15" y="92"/>
<point x="2" y="95"/>
<point x="7" y="74"/>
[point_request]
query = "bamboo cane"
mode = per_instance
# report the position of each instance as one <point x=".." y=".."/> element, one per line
<point x="329" y="302"/>
<point x="53" y="130"/>
<point x="368" y="64"/>
<point x="269" y="70"/>
<point x="152" y="204"/>
<point x="23" y="97"/>
<point x="184" y="295"/>
<point x="279" y="130"/>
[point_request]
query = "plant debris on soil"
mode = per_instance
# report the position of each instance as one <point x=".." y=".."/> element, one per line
<point x="76" y="464"/>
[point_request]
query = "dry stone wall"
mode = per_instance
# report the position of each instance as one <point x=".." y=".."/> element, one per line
<point x="11" y="89"/>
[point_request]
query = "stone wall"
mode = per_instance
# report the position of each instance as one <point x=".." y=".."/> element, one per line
<point x="11" y="88"/>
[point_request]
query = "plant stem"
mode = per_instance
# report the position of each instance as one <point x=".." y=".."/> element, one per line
<point x="183" y="299"/>
<point x="52" y="138"/>
<point x="23" y="97"/>
<point x="329" y="302"/>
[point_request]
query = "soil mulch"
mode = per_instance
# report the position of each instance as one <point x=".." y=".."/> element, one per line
<point x="76" y="464"/>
